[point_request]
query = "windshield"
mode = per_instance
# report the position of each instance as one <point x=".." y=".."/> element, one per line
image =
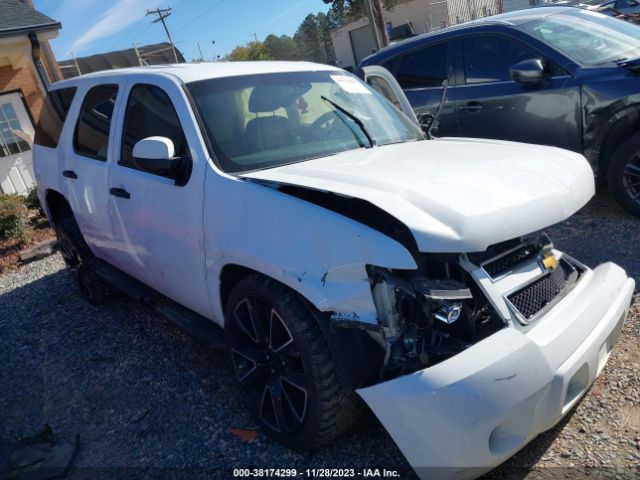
<point x="588" y="38"/>
<point x="267" y="120"/>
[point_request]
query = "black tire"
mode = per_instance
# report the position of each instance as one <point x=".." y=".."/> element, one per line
<point x="624" y="175"/>
<point x="286" y="374"/>
<point x="81" y="261"/>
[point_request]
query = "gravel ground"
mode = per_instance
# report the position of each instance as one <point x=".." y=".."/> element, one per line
<point x="145" y="399"/>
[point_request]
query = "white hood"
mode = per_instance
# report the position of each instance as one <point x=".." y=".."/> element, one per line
<point x="455" y="195"/>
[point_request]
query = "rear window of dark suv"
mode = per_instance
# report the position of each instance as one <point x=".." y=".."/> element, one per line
<point x="54" y="112"/>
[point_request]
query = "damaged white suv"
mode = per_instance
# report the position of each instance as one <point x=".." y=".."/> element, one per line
<point x="345" y="256"/>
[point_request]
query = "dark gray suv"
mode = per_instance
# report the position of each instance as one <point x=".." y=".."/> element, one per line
<point x="555" y="76"/>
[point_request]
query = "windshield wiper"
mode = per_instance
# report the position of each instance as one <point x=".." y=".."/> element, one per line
<point x="356" y="120"/>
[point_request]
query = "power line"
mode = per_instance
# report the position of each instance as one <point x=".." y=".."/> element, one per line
<point x="163" y="13"/>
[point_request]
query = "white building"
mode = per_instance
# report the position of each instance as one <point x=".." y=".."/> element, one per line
<point x="354" y="41"/>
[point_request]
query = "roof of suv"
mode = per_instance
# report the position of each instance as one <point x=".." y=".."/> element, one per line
<point x="192" y="72"/>
<point x="510" y="19"/>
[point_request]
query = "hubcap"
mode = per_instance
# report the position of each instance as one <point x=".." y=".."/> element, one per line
<point x="631" y="177"/>
<point x="268" y="365"/>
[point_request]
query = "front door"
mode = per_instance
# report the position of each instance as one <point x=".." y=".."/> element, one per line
<point x="16" y="138"/>
<point x="156" y="220"/>
<point x="381" y="80"/>
<point x="490" y="104"/>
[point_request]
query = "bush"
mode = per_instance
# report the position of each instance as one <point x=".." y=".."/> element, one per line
<point x="14" y="218"/>
<point x="32" y="200"/>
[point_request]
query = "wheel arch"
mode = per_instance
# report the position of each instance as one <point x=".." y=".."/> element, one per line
<point x="355" y="353"/>
<point x="618" y="127"/>
<point x="57" y="206"/>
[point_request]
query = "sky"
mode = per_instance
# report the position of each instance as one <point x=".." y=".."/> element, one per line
<point x="96" y="26"/>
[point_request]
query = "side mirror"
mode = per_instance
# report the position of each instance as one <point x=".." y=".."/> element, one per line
<point x="156" y="154"/>
<point x="528" y="72"/>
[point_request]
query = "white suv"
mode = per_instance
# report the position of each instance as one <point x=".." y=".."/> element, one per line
<point x="293" y="209"/>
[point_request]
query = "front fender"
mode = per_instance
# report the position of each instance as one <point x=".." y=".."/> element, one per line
<point x="318" y="253"/>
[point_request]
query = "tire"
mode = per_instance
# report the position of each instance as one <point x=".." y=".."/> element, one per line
<point x="81" y="261"/>
<point x="283" y="367"/>
<point x="624" y="175"/>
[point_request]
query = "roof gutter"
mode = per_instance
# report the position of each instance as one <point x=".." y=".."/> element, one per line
<point x="35" y="55"/>
<point x="32" y="28"/>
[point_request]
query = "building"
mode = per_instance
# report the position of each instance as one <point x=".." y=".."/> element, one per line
<point x="355" y="41"/>
<point x="157" y="54"/>
<point x="27" y="67"/>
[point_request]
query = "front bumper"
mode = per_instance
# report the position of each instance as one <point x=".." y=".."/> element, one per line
<point x="466" y="415"/>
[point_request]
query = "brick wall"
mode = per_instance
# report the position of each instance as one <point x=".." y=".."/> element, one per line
<point x="25" y="80"/>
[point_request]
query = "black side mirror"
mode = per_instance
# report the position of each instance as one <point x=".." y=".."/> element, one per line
<point x="528" y="72"/>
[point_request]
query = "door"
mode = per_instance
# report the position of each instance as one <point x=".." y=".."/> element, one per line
<point x="421" y="74"/>
<point x="381" y="80"/>
<point x="16" y="139"/>
<point x="156" y="220"/>
<point x="492" y="105"/>
<point x="362" y="43"/>
<point x="86" y="153"/>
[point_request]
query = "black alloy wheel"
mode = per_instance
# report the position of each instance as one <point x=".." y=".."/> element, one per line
<point x="268" y="365"/>
<point x="283" y="365"/>
<point x="624" y="175"/>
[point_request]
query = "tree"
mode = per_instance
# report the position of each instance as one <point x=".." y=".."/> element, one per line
<point x="250" y="51"/>
<point x="282" y="48"/>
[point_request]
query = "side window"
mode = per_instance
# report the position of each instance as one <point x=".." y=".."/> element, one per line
<point x="54" y="113"/>
<point x="426" y="67"/>
<point x="150" y="113"/>
<point x="487" y="58"/>
<point x="91" y="137"/>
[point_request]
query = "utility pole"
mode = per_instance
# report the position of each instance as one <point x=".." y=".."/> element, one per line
<point x="255" y="37"/>
<point x="376" y="23"/>
<point x="163" y="13"/>
<point x="201" y="56"/>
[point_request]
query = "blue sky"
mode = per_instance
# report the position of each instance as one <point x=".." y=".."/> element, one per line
<point x="94" y="26"/>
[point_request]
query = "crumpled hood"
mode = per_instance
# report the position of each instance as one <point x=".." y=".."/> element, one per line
<point x="455" y="195"/>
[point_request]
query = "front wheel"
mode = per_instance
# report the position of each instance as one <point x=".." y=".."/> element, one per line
<point x="624" y="175"/>
<point x="283" y="366"/>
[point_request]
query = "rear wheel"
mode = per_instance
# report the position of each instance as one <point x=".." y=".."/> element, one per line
<point x="624" y="175"/>
<point x="283" y="366"/>
<point x="80" y="260"/>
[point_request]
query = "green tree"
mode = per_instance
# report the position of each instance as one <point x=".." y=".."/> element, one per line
<point x="250" y="52"/>
<point x="282" y="48"/>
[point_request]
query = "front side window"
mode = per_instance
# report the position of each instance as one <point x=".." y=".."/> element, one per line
<point x="487" y="58"/>
<point x="150" y="113"/>
<point x="91" y="137"/>
<point x="262" y="121"/>
<point x="423" y="68"/>
<point x="588" y="38"/>
<point x="54" y="113"/>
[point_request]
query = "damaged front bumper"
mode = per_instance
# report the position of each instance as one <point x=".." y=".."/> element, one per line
<point x="466" y="415"/>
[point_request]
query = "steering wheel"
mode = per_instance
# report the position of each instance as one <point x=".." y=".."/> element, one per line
<point x="325" y="121"/>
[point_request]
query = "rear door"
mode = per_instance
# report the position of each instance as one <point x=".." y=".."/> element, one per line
<point x="492" y="105"/>
<point x="16" y="139"/>
<point x="86" y="154"/>
<point x="157" y="221"/>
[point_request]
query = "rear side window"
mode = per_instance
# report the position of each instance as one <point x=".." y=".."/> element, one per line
<point x="150" y="113"/>
<point x="423" y="68"/>
<point x="54" y="113"/>
<point x="91" y="137"/>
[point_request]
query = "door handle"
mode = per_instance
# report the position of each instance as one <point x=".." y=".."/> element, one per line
<point x="119" y="192"/>
<point x="471" y="107"/>
<point x="70" y="174"/>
